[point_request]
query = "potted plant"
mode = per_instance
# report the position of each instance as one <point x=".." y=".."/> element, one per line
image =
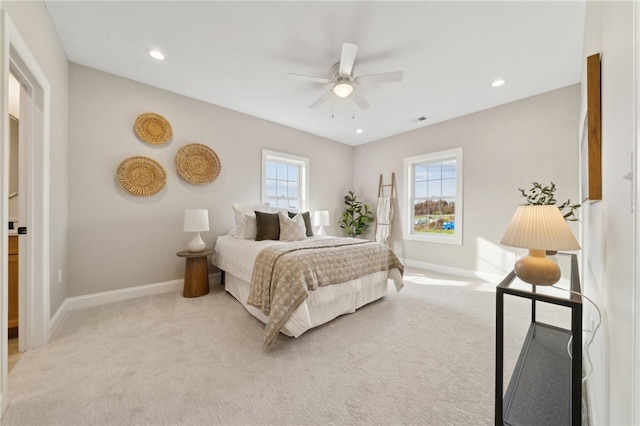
<point x="545" y="195"/>
<point x="356" y="216"/>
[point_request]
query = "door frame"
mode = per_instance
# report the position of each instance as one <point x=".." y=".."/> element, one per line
<point x="635" y="368"/>
<point x="16" y="58"/>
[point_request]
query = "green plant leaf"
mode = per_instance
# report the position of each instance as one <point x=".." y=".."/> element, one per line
<point x="540" y="195"/>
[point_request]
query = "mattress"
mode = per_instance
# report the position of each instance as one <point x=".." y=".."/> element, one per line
<point x="237" y="256"/>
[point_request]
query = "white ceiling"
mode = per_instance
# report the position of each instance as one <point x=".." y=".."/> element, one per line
<point x="238" y="54"/>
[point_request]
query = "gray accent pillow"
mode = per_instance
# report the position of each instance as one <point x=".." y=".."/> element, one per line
<point x="307" y="222"/>
<point x="267" y="226"/>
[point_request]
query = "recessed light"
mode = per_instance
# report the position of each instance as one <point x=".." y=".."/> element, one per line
<point x="156" y="54"/>
<point x="358" y="131"/>
<point x="499" y="82"/>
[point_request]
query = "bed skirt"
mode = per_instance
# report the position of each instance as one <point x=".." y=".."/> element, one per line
<point x="322" y="305"/>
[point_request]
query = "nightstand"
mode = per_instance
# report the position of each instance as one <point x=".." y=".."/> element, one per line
<point x="196" y="273"/>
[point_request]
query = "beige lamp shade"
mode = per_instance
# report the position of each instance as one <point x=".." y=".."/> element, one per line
<point x="539" y="228"/>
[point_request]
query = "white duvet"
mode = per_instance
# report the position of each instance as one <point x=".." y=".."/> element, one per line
<point x="236" y="257"/>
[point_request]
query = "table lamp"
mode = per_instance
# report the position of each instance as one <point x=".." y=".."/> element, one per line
<point x="196" y="221"/>
<point x="539" y="228"/>
<point x="321" y="219"/>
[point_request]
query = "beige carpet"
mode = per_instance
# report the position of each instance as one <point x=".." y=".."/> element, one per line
<point x="424" y="356"/>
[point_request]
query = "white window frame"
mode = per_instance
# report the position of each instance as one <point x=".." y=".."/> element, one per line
<point x="408" y="228"/>
<point x="303" y="183"/>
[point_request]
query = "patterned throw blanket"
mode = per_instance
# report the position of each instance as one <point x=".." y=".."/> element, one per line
<point x="284" y="274"/>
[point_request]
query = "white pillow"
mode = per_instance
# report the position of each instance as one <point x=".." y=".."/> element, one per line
<point x="245" y="219"/>
<point x="281" y="209"/>
<point x="292" y="229"/>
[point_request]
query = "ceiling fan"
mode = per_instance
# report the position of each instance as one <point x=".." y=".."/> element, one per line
<point x="343" y="81"/>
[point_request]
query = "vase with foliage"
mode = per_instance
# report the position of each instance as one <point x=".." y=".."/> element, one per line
<point x="356" y="216"/>
<point x="540" y="194"/>
<point x="545" y="195"/>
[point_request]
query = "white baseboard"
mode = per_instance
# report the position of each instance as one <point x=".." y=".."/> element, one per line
<point x="56" y="319"/>
<point x="106" y="297"/>
<point x="459" y="272"/>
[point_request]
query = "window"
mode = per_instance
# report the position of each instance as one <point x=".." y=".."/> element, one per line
<point x="433" y="197"/>
<point x="285" y="181"/>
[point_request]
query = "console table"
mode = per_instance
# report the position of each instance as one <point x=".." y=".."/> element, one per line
<point x="546" y="384"/>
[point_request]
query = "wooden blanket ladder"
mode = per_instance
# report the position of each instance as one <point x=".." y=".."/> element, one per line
<point x="384" y="209"/>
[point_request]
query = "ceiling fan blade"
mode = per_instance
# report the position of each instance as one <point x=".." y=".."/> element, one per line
<point x="359" y="100"/>
<point x="310" y="78"/>
<point x="347" y="58"/>
<point x="322" y="100"/>
<point x="385" y="77"/>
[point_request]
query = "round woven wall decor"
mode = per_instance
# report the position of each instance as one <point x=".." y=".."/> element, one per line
<point x="153" y="128"/>
<point x="197" y="164"/>
<point x="141" y="176"/>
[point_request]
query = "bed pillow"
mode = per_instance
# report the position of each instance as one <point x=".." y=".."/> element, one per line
<point x="245" y="219"/>
<point x="292" y="229"/>
<point x="307" y="222"/>
<point x="247" y="228"/>
<point x="267" y="226"/>
<point x="240" y="210"/>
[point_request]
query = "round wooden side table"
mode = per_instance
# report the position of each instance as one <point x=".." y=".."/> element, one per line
<point x="196" y="273"/>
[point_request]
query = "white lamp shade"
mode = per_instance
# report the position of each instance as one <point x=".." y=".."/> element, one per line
<point x="196" y="220"/>
<point x="321" y="218"/>
<point x="539" y="227"/>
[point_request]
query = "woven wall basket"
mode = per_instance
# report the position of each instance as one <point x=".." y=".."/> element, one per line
<point x="153" y="128"/>
<point x="197" y="164"/>
<point x="141" y="176"/>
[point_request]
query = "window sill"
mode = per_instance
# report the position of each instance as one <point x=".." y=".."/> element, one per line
<point x="454" y="240"/>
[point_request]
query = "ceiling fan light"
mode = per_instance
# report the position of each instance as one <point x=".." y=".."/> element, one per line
<point x="342" y="90"/>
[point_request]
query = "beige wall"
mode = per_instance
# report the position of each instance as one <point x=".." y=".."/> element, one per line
<point x="533" y="139"/>
<point x="505" y="148"/>
<point x="608" y="262"/>
<point x="117" y="240"/>
<point x="34" y="25"/>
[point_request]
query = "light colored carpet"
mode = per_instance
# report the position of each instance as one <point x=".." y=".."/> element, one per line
<point x="424" y="356"/>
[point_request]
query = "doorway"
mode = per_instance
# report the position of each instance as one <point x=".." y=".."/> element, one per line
<point x="14" y="223"/>
<point x="34" y="266"/>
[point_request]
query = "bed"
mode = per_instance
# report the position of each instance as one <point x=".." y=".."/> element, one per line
<point x="254" y="274"/>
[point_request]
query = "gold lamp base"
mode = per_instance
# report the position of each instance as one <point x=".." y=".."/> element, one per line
<point x="537" y="269"/>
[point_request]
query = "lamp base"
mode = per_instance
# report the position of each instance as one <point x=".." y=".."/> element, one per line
<point x="196" y="245"/>
<point x="536" y="269"/>
<point x="321" y="231"/>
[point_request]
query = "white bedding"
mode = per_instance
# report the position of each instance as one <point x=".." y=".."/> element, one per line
<point x="237" y="256"/>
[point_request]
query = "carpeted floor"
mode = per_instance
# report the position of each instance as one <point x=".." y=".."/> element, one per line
<point x="424" y="356"/>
